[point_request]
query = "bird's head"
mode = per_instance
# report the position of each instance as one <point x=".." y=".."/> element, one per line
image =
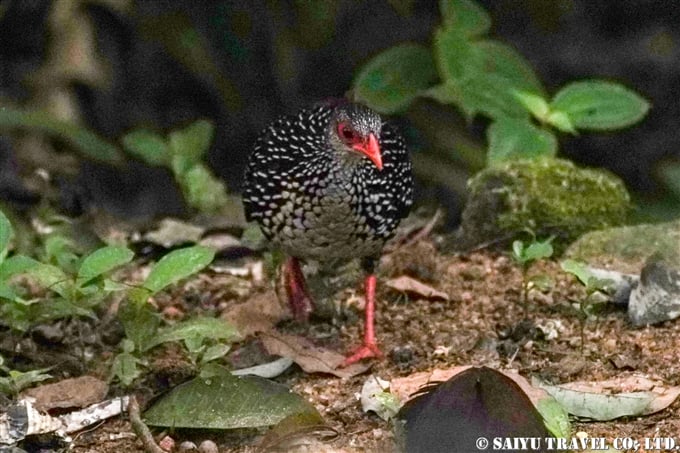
<point x="355" y="131"/>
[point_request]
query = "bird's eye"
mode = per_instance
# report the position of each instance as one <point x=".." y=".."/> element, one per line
<point x="347" y="133"/>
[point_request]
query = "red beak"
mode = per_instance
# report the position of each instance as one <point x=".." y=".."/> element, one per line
<point x="371" y="150"/>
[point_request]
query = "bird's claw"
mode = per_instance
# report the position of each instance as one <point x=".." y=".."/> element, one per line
<point x="365" y="351"/>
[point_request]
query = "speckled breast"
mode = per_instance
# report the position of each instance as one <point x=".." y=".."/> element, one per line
<point x="324" y="228"/>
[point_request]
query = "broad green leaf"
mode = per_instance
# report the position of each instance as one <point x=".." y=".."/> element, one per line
<point x="45" y="310"/>
<point x="15" y="265"/>
<point x="448" y="93"/>
<point x="203" y="327"/>
<point x="177" y="265"/>
<point x="202" y="189"/>
<point x="534" y="103"/>
<point x="223" y="401"/>
<point x="6" y="292"/>
<point x="539" y="250"/>
<point x="5" y="235"/>
<point x="103" y="260"/>
<point x="140" y="322"/>
<point x="578" y="269"/>
<point x="392" y="79"/>
<point x="147" y="146"/>
<point x="466" y="16"/>
<point x="456" y="57"/>
<point x="126" y="368"/>
<point x="600" y="105"/>
<point x="490" y="95"/>
<point x="193" y="141"/>
<point x="214" y="352"/>
<point x="21" y="380"/>
<point x="500" y="58"/>
<point x="52" y="278"/>
<point x="511" y="139"/>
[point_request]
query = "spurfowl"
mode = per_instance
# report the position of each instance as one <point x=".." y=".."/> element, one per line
<point x="331" y="182"/>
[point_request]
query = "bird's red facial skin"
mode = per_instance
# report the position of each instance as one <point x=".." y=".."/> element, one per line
<point x="367" y="146"/>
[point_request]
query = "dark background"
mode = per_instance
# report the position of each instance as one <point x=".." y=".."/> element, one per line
<point x="118" y="65"/>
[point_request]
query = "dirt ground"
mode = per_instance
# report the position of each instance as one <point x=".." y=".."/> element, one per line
<point x="479" y="325"/>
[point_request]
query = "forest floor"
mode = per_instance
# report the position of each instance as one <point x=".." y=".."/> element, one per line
<point x="470" y="328"/>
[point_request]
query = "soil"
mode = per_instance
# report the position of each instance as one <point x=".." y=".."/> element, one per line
<point x="483" y="323"/>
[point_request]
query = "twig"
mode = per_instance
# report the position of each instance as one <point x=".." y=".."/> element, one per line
<point x="140" y="429"/>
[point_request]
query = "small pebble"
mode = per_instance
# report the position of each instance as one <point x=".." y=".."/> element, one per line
<point x="187" y="446"/>
<point x="208" y="446"/>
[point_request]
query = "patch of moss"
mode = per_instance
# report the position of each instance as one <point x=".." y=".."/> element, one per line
<point x="546" y="196"/>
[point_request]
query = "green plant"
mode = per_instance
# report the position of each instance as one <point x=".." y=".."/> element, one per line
<point x="182" y="152"/>
<point x="203" y="337"/>
<point x="598" y="292"/>
<point x="525" y="256"/>
<point x="13" y="381"/>
<point x="477" y="74"/>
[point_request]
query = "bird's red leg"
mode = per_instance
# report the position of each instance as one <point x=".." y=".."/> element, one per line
<point x="370" y="347"/>
<point x="294" y="280"/>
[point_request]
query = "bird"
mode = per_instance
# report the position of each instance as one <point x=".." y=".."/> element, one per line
<point x="331" y="182"/>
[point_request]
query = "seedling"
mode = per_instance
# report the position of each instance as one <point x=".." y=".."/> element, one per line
<point x="526" y="256"/>
<point x="598" y="292"/>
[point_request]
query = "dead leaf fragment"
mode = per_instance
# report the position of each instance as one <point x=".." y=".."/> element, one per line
<point x="258" y="314"/>
<point x="310" y="357"/>
<point x="69" y="393"/>
<point x="410" y="285"/>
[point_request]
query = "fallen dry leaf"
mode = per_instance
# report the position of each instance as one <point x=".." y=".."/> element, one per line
<point x="260" y="313"/>
<point x="69" y="393"/>
<point x="406" y="386"/>
<point x="310" y="357"/>
<point x="410" y="285"/>
<point x="663" y="395"/>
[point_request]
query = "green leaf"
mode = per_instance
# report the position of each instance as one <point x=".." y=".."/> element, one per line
<point x="535" y="104"/>
<point x="670" y="176"/>
<point x="203" y="328"/>
<point x="52" y="278"/>
<point x="214" y="352"/>
<point x="539" y="250"/>
<point x="392" y="79"/>
<point x="511" y="139"/>
<point x="499" y="58"/>
<point x="126" y="368"/>
<point x="177" y="265"/>
<point x="5" y="235"/>
<point x="21" y="380"/>
<point x="6" y="292"/>
<point x="561" y="121"/>
<point x="148" y="146"/>
<point x="140" y="322"/>
<point x="202" y="189"/>
<point x="578" y="269"/>
<point x="60" y="250"/>
<point x="223" y="401"/>
<point x="103" y="260"/>
<point x="600" y="105"/>
<point x="193" y="141"/>
<point x="518" y="250"/>
<point x="555" y="417"/>
<point x="466" y="16"/>
<point x="15" y="265"/>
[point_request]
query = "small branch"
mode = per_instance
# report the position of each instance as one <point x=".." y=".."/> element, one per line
<point x="141" y="430"/>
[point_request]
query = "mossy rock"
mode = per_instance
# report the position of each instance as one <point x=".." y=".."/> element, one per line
<point x="546" y="196"/>
<point x="626" y="249"/>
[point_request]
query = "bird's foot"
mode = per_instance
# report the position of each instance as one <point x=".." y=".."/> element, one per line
<point x="365" y="351"/>
<point x="301" y="304"/>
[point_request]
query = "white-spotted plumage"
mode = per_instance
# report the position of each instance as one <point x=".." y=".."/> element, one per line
<point x="317" y="200"/>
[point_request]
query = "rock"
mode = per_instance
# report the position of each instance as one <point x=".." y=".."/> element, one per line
<point x="626" y="249"/>
<point x="548" y="196"/>
<point x="657" y="297"/>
